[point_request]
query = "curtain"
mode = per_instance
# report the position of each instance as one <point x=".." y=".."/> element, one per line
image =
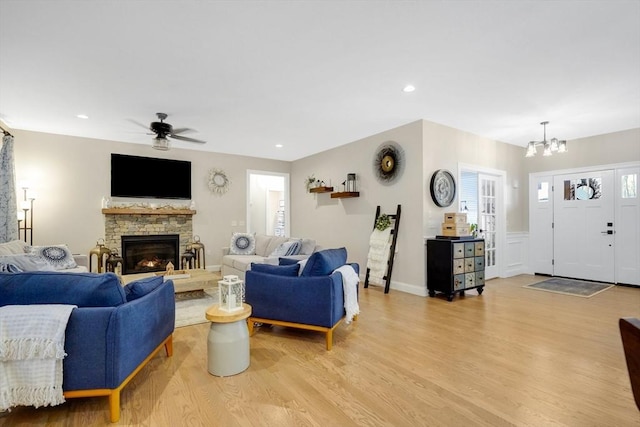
<point x="8" y="198"/>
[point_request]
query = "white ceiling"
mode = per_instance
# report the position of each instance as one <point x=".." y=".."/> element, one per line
<point x="313" y="75"/>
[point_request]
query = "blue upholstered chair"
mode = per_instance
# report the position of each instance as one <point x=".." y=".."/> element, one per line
<point x="311" y="299"/>
<point x="113" y="332"/>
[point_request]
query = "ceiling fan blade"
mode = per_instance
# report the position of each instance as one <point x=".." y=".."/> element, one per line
<point x="139" y="124"/>
<point x="184" y="138"/>
<point x="182" y="130"/>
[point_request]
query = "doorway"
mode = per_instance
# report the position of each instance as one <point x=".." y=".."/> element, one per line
<point x="586" y="224"/>
<point x="268" y="203"/>
<point x="481" y="197"/>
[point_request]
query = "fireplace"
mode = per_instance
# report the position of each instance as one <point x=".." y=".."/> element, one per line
<point x="143" y="254"/>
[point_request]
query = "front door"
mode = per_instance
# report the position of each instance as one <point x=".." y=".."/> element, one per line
<point x="584" y="226"/>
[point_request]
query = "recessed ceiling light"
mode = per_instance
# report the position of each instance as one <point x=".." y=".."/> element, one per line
<point x="82" y="116"/>
<point x="409" y="88"/>
<point x="279" y="145"/>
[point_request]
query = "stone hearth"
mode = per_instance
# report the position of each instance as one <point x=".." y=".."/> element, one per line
<point x="120" y="222"/>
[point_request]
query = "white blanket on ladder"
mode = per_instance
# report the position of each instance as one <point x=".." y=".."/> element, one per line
<point x="350" y="281"/>
<point x="379" y="247"/>
<point x="31" y="353"/>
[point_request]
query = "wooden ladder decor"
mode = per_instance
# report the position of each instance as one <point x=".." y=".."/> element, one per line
<point x="395" y="226"/>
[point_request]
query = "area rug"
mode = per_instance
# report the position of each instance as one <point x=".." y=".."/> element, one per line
<point x="578" y="288"/>
<point x="191" y="306"/>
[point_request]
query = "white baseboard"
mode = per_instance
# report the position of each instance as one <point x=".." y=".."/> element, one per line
<point x="402" y="287"/>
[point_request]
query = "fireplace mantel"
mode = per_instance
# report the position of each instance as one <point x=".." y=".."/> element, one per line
<point x="147" y="211"/>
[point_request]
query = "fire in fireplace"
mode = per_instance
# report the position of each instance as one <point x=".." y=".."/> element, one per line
<point x="142" y="254"/>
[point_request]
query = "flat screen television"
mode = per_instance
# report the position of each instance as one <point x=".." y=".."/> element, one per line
<point x="148" y="177"/>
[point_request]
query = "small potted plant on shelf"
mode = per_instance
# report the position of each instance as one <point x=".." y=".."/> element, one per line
<point x="310" y="182"/>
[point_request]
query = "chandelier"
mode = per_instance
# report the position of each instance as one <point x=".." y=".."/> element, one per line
<point x="550" y="147"/>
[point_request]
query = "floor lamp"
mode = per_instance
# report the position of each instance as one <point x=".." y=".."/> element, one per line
<point x="26" y="206"/>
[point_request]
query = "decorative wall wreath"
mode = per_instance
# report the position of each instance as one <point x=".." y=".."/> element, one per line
<point x="218" y="182"/>
<point x="388" y="162"/>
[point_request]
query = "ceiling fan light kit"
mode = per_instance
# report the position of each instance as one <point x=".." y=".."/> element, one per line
<point x="162" y="144"/>
<point x="552" y="146"/>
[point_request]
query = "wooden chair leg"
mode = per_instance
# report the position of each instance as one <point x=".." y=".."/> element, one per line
<point x="114" y="406"/>
<point x="250" y="325"/>
<point x="168" y="346"/>
<point x="329" y="338"/>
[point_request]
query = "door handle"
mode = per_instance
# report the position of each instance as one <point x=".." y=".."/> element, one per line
<point x="607" y="232"/>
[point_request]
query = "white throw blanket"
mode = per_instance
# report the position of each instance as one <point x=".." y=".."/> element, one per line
<point x="350" y="281"/>
<point x="379" y="246"/>
<point x="31" y="353"/>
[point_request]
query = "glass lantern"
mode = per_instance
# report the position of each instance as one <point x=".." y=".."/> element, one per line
<point x="230" y="293"/>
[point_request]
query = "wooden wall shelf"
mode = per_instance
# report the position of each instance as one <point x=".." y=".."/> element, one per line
<point x="147" y="211"/>
<point x="345" y="194"/>
<point x="321" y="190"/>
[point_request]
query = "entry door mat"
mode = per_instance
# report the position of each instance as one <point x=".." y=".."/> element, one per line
<point x="578" y="288"/>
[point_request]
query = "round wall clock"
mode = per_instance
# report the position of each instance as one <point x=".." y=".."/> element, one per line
<point x="388" y="162"/>
<point x="443" y="188"/>
<point x="218" y="182"/>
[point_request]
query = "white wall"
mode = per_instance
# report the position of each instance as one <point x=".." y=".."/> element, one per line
<point x="71" y="175"/>
<point x="349" y="222"/>
<point x="446" y="147"/>
<point x="607" y="149"/>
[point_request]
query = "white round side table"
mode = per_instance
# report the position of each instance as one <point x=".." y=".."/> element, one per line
<point x="228" y="341"/>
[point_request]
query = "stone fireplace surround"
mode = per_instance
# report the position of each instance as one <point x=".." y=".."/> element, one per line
<point x="146" y="222"/>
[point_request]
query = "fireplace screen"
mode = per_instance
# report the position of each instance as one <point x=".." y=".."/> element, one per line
<point x="142" y="254"/>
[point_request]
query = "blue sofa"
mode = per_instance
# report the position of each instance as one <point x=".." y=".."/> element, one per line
<point x="311" y="299"/>
<point x="113" y="332"/>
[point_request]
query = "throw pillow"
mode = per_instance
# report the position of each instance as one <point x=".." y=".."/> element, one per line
<point x="287" y="261"/>
<point x="13" y="247"/>
<point x="323" y="262"/>
<point x="286" y="249"/>
<point x="59" y="256"/>
<point x="307" y="246"/>
<point x="142" y="287"/>
<point x="27" y="262"/>
<point x="243" y="244"/>
<point x="279" y="270"/>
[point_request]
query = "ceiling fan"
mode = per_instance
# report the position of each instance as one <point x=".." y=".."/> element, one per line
<point x="162" y="130"/>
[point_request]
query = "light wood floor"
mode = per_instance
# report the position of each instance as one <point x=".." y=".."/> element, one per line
<point x="510" y="357"/>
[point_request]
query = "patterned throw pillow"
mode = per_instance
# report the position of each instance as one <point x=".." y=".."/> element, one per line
<point x="243" y="244"/>
<point x="59" y="256"/>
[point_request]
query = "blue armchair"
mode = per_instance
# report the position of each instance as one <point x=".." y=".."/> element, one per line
<point x="312" y="299"/>
<point x="113" y="332"/>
